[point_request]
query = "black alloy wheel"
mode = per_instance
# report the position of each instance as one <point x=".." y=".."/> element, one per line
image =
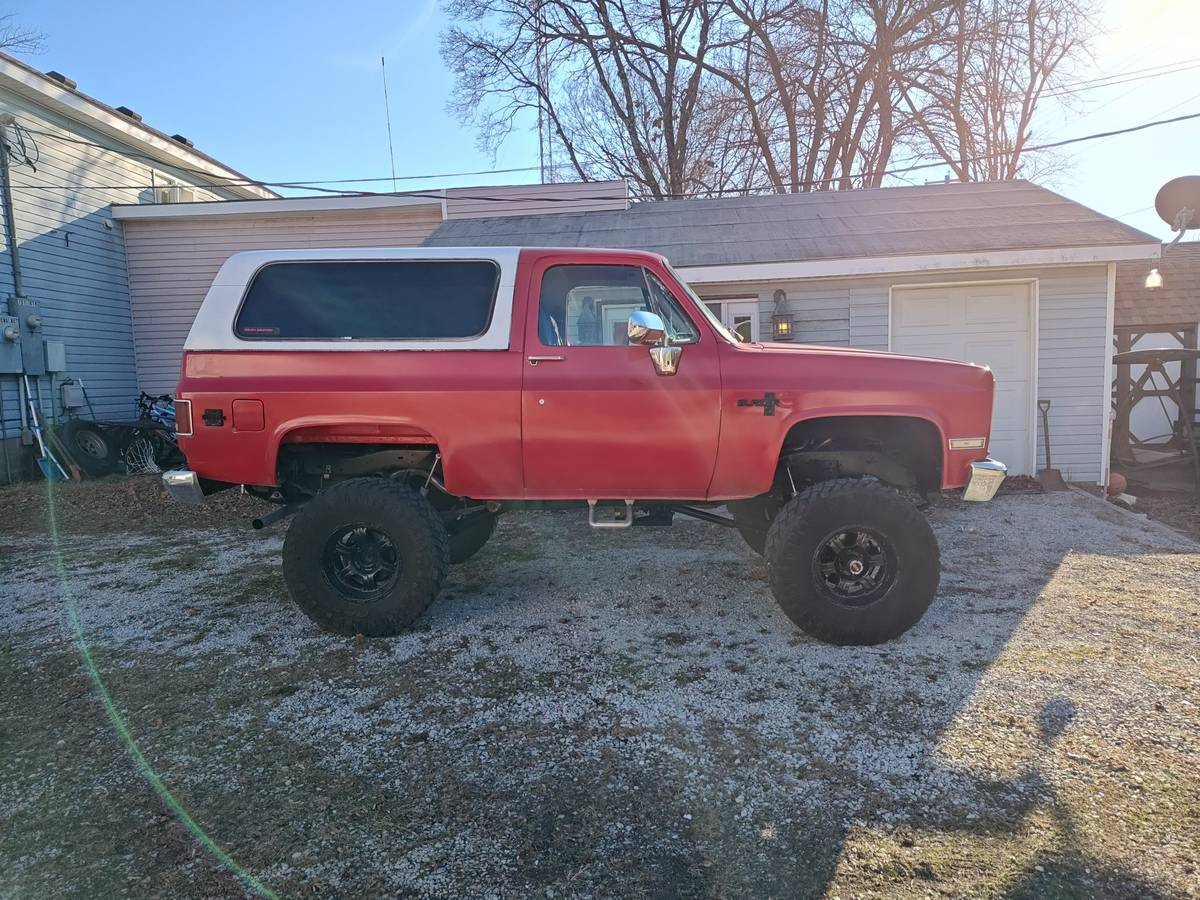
<point x="856" y="565"/>
<point x="361" y="562"/>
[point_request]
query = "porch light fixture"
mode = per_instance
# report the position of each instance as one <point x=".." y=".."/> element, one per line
<point x="1154" y="280"/>
<point x="782" y="321"/>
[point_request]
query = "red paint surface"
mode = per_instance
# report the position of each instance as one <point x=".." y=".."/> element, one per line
<point x="248" y="415"/>
<point x="599" y="424"/>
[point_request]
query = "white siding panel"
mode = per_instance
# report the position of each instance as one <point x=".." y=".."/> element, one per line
<point x="1071" y="367"/>
<point x="869" y="315"/>
<point x="172" y="262"/>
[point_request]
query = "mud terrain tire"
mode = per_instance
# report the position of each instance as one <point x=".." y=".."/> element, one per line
<point x="367" y="556"/>
<point x="850" y="561"/>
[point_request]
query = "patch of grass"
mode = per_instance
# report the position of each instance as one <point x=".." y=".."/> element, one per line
<point x="690" y="675"/>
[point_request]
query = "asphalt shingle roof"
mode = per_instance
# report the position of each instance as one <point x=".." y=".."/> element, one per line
<point x="1177" y="302"/>
<point x="896" y="221"/>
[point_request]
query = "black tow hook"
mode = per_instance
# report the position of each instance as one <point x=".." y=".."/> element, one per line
<point x="275" y="515"/>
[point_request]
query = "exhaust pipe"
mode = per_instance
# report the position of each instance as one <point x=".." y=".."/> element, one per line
<point x="275" y="515"/>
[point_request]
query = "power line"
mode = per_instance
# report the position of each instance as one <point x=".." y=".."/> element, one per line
<point x="1078" y="87"/>
<point x="1100" y="135"/>
<point x="234" y="182"/>
<point x="1161" y="112"/>
<point x="1115" y="79"/>
<point x="1134" y="212"/>
<point x="225" y="181"/>
<point x="1118" y="78"/>
<point x="899" y="170"/>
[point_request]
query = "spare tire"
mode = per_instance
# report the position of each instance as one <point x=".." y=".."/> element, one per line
<point x="92" y="450"/>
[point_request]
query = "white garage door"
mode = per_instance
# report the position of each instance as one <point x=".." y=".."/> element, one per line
<point x="987" y="324"/>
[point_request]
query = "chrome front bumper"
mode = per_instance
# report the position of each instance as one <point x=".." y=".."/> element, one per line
<point x="183" y="485"/>
<point x="986" y="477"/>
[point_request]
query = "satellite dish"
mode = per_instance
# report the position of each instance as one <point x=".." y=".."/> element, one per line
<point x="1178" y="203"/>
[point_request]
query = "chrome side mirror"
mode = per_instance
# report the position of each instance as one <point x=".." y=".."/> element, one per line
<point x="645" y="328"/>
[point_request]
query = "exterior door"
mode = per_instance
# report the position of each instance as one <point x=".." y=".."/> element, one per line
<point x="598" y="422"/>
<point x="739" y="316"/>
<point x="989" y="324"/>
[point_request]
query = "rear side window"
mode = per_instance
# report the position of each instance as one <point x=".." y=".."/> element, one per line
<point x="377" y="301"/>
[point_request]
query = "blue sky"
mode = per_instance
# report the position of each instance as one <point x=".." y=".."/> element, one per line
<point x="292" y="91"/>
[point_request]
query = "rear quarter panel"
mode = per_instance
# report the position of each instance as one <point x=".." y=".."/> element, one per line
<point x="466" y="402"/>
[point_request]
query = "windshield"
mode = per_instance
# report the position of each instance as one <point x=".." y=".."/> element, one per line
<point x="704" y="309"/>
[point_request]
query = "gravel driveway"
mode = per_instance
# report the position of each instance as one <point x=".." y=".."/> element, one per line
<point x="607" y="714"/>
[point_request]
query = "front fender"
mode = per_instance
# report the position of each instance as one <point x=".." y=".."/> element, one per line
<point x="752" y="443"/>
<point x="924" y="413"/>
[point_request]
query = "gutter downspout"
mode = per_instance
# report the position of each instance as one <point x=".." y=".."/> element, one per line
<point x="15" y="301"/>
<point x="10" y="231"/>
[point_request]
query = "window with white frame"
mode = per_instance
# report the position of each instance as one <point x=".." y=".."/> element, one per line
<point x="741" y="316"/>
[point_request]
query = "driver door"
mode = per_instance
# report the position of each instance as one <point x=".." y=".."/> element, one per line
<point x="598" y="421"/>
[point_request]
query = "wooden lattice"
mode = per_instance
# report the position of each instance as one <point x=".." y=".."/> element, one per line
<point x="1156" y="383"/>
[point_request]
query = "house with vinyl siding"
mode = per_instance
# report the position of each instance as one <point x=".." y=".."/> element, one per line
<point x="70" y="157"/>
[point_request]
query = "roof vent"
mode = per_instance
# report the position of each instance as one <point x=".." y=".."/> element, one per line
<point x="62" y="79"/>
<point x="126" y="111"/>
<point x="182" y="140"/>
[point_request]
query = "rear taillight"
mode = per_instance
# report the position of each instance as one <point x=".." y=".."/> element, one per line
<point x="183" y="418"/>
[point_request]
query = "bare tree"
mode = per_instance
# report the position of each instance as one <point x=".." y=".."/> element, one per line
<point x="621" y="84"/>
<point x="713" y="96"/>
<point x="975" y="104"/>
<point x="16" y="38"/>
<point x="821" y="84"/>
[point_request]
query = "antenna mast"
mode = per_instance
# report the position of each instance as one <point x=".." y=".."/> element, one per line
<point x="545" y="142"/>
<point x="387" y="111"/>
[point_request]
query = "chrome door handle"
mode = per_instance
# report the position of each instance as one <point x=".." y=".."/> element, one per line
<point x="534" y="360"/>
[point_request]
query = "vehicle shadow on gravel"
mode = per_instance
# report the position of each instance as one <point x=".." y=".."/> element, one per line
<point x="611" y="715"/>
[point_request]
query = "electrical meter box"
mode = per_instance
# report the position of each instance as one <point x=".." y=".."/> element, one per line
<point x="72" y="396"/>
<point x="56" y="356"/>
<point x="10" y="351"/>
<point x="29" y="316"/>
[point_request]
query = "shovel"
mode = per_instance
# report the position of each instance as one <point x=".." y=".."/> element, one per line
<point x="1051" y="479"/>
<point x="51" y="468"/>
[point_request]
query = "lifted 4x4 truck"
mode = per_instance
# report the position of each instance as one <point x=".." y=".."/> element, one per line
<point x="396" y="401"/>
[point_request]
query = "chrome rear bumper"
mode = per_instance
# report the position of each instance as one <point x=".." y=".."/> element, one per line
<point x="986" y="477"/>
<point x="183" y="485"/>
